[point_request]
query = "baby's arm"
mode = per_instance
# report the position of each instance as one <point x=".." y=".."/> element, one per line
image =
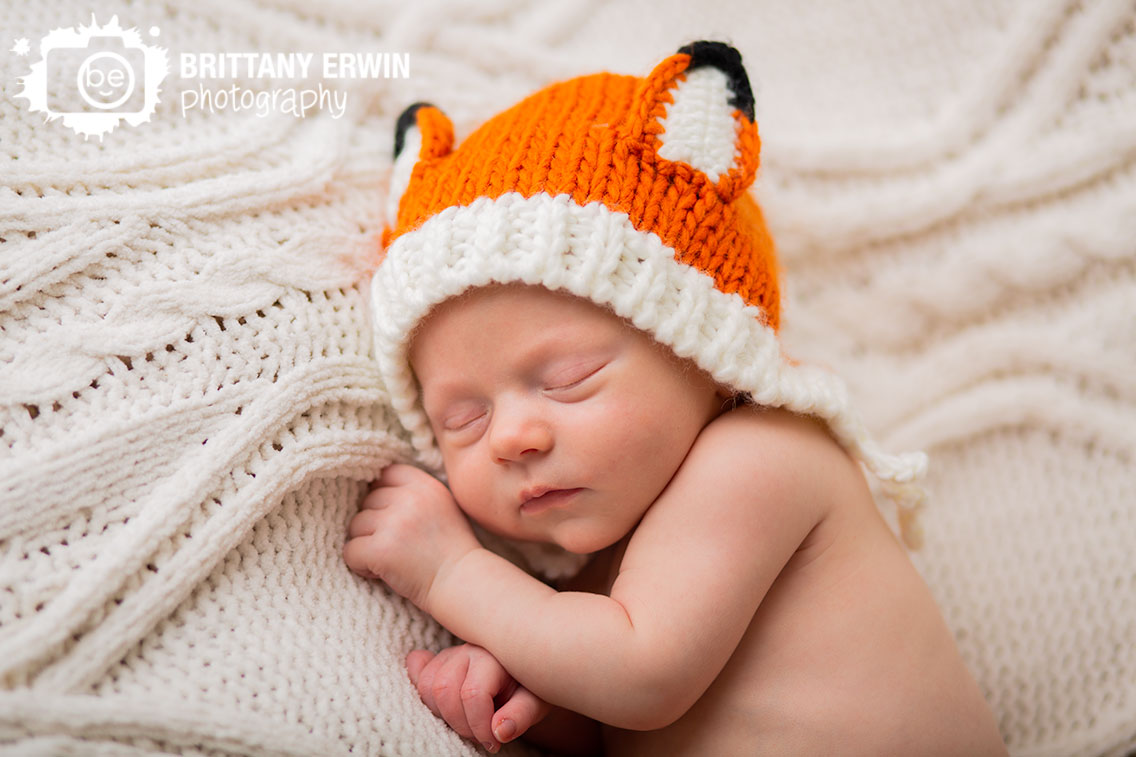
<point x="693" y="574"/>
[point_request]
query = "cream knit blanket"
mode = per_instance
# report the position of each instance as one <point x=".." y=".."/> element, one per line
<point x="189" y="412"/>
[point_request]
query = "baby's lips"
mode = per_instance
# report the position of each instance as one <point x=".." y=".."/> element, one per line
<point x="533" y="492"/>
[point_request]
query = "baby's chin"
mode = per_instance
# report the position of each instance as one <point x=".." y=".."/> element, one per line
<point x="580" y="539"/>
<point x="575" y="538"/>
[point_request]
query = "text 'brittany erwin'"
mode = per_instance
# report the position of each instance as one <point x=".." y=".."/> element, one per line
<point x="342" y="65"/>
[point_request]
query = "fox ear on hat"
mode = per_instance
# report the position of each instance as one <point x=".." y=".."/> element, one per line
<point x="696" y="108"/>
<point x="422" y="132"/>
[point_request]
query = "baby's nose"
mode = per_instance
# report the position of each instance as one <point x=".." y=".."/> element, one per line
<point x="515" y="433"/>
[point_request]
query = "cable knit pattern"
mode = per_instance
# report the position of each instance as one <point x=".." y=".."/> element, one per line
<point x="190" y="407"/>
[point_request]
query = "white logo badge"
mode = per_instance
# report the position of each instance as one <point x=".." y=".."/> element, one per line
<point x="95" y="77"/>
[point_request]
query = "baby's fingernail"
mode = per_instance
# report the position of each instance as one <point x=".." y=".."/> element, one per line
<point x="505" y="730"/>
<point x="489" y="746"/>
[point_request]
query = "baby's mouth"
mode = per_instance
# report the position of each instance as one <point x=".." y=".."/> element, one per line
<point x="538" y="500"/>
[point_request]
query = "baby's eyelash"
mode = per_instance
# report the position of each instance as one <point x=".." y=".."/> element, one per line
<point x="570" y="384"/>
<point x="575" y="381"/>
<point x="462" y="421"/>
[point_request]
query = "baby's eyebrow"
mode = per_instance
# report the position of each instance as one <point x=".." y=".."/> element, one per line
<point x="557" y="344"/>
<point x="554" y="351"/>
<point x="440" y="392"/>
<point x="569" y="337"/>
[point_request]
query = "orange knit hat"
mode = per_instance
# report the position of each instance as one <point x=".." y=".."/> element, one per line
<point x="630" y="192"/>
<point x="606" y="138"/>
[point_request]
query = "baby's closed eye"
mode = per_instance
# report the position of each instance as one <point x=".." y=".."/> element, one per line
<point x="563" y="378"/>
<point x="463" y="416"/>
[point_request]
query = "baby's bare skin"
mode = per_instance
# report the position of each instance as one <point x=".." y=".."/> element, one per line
<point x="748" y="596"/>
<point x="847" y="653"/>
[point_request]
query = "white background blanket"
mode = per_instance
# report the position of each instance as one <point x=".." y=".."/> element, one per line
<point x="189" y="413"/>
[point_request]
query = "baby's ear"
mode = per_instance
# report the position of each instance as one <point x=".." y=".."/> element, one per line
<point x="422" y="132"/>
<point x="697" y="109"/>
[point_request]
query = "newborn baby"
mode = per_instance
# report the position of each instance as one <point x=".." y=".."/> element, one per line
<point x="576" y="319"/>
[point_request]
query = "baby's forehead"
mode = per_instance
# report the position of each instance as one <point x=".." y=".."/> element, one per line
<point x="479" y="308"/>
<point x="505" y="319"/>
<point x="521" y="296"/>
<point x="512" y="320"/>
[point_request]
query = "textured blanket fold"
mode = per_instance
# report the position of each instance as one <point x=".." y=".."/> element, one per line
<point x="189" y="408"/>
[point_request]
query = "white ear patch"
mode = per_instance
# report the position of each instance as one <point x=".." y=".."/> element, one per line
<point x="400" y="173"/>
<point x="700" y="128"/>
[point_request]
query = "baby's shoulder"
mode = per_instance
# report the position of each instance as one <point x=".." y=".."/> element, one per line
<point x="773" y="446"/>
<point x="774" y="431"/>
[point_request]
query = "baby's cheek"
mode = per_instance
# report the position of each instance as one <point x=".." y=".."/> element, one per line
<point x="624" y="424"/>
<point x="471" y="487"/>
<point x="459" y="482"/>
<point x="653" y="447"/>
<point x="606" y="439"/>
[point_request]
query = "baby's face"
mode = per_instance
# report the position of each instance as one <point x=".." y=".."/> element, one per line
<point x="556" y="420"/>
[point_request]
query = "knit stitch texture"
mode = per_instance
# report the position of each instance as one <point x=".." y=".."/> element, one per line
<point x="190" y="407"/>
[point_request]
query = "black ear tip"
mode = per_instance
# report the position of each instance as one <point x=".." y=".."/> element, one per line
<point x="705" y="52"/>
<point x="728" y="60"/>
<point x="405" y="120"/>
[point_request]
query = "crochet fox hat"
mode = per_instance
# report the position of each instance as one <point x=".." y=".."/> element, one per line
<point x="627" y="191"/>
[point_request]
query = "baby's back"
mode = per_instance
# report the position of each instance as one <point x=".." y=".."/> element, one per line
<point x="847" y="654"/>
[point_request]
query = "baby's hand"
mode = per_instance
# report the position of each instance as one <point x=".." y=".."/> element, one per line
<point x="407" y="530"/>
<point x="463" y="684"/>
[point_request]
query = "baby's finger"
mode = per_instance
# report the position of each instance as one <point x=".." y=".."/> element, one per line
<point x="416" y="661"/>
<point x="378" y="499"/>
<point x="363" y="523"/>
<point x="446" y="691"/>
<point x="521" y="712"/>
<point x="483" y="681"/>
<point x="425" y="687"/>
<point x="397" y="474"/>
<point x="356" y="554"/>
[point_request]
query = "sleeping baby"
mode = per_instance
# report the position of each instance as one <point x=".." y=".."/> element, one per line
<point x="576" y="319"/>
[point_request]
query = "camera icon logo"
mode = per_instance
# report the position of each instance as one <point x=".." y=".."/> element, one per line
<point x="105" y="69"/>
<point x="95" y="77"/>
